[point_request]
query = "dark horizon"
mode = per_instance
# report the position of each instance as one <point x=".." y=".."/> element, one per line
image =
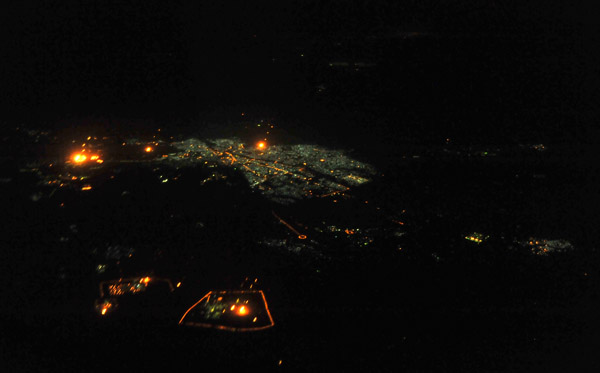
<point x="112" y="58"/>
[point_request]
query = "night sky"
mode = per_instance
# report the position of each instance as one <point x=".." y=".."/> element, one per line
<point x="110" y="57"/>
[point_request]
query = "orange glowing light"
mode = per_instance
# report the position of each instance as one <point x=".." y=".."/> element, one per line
<point x="302" y="236"/>
<point x="225" y="327"/>
<point x="178" y="284"/>
<point x="146" y="280"/>
<point x="79" y="158"/>
<point x="100" y="161"/>
<point x="86" y="187"/>
<point x="148" y="149"/>
<point x="94" y="157"/>
<point x="242" y="311"/>
<point x="104" y="310"/>
<point x="127" y="285"/>
<point x="261" y="145"/>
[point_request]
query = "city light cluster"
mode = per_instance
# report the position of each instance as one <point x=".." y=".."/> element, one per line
<point x="283" y="173"/>
<point x="544" y="247"/>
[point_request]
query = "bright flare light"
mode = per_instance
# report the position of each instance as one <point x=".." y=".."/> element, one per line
<point x="261" y="145"/>
<point x="79" y="158"/>
<point x="242" y="311"/>
<point x="148" y="149"/>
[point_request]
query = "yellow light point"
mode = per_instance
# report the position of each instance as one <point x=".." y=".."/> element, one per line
<point x="104" y="311"/>
<point x="178" y="284"/>
<point x="148" y="149"/>
<point x="261" y="145"/>
<point x="79" y="158"/>
<point x="94" y="157"/>
<point x="242" y="311"/>
<point x="100" y="161"/>
<point x="254" y="319"/>
<point x="232" y="307"/>
<point x="146" y="280"/>
<point x="86" y="187"/>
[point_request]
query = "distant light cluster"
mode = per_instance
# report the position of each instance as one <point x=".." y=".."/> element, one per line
<point x="131" y="287"/>
<point x="309" y="247"/>
<point x="283" y="173"/>
<point x="477" y="237"/>
<point x="545" y="247"/>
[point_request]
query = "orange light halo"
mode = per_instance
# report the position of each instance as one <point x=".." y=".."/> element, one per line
<point x="79" y="158"/>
